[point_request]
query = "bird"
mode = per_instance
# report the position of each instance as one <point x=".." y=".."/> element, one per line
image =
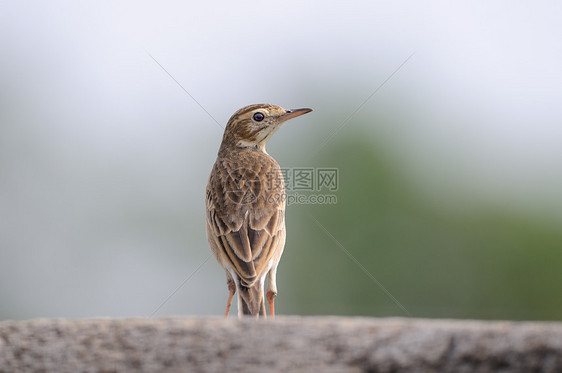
<point x="245" y="207"/>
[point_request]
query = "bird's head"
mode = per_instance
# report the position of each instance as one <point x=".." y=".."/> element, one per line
<point x="252" y="126"/>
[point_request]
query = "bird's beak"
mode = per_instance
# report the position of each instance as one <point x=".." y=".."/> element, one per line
<point x="295" y="113"/>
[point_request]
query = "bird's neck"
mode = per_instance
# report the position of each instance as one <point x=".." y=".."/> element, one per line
<point x="251" y="145"/>
<point x="241" y="146"/>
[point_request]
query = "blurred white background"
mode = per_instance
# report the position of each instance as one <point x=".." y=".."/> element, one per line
<point x="104" y="158"/>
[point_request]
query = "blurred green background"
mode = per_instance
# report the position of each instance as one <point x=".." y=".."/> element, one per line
<point x="442" y="119"/>
<point x="485" y="262"/>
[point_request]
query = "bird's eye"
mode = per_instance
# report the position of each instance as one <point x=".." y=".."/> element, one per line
<point x="258" y="117"/>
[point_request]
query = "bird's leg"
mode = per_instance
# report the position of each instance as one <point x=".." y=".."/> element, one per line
<point x="231" y="289"/>
<point x="271" y="299"/>
<point x="272" y="290"/>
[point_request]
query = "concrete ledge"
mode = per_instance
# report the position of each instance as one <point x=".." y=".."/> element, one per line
<point x="287" y="344"/>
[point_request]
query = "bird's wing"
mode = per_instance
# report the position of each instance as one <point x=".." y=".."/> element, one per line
<point x="246" y="235"/>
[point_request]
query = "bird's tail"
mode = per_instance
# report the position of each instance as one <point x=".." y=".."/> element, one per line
<point x="250" y="300"/>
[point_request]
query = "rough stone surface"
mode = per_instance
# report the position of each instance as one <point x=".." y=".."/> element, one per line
<point x="291" y="344"/>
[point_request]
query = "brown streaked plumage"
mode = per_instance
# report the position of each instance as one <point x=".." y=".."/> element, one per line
<point x="246" y="207"/>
